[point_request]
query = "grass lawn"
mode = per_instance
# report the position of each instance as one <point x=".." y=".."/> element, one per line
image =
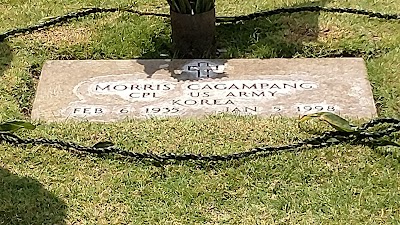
<point x="336" y="185"/>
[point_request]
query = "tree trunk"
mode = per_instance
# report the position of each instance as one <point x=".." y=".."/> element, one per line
<point x="193" y="36"/>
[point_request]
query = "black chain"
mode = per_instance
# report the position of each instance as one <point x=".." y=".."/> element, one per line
<point x="255" y="15"/>
<point x="361" y="137"/>
<point x="224" y="19"/>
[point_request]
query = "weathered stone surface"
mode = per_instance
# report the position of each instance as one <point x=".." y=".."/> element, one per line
<point x="109" y="90"/>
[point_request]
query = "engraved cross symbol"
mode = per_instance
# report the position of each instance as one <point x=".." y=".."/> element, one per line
<point x="204" y="69"/>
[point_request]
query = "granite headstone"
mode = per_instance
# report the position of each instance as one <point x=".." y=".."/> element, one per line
<point x="110" y="90"/>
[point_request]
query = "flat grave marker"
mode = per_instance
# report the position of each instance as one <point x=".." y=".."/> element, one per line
<point x="110" y="90"/>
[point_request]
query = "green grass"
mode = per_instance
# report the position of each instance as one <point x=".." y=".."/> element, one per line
<point x="336" y="185"/>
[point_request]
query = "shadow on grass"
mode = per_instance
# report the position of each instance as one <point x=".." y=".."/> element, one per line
<point x="279" y="36"/>
<point x="23" y="90"/>
<point x="5" y="57"/>
<point x="24" y="200"/>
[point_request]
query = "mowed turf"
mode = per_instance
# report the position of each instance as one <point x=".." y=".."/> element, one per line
<point x="341" y="184"/>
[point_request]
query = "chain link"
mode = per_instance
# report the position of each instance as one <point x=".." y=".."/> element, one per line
<point x="224" y="19"/>
<point x="361" y="137"/>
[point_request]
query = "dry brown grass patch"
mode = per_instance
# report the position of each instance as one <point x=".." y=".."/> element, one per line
<point x="60" y="35"/>
<point x="330" y="32"/>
